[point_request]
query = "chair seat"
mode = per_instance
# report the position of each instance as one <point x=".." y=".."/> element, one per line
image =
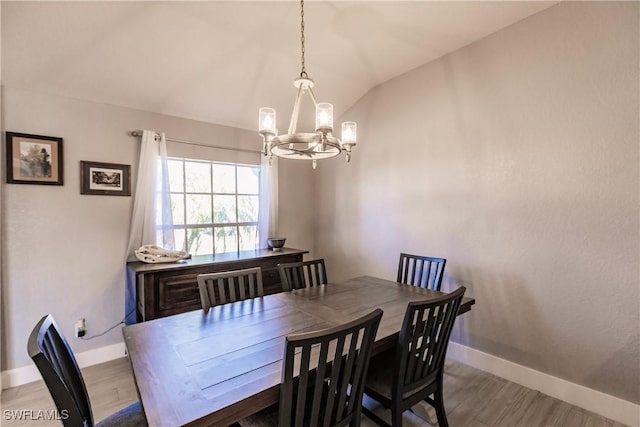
<point x="131" y="416"/>
<point x="381" y="373"/>
<point x="380" y="376"/>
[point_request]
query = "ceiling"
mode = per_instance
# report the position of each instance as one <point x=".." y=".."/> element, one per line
<point x="220" y="61"/>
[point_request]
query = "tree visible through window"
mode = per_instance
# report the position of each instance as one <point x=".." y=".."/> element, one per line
<point x="214" y="205"/>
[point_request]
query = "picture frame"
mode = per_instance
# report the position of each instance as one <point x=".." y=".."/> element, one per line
<point x="34" y="159"/>
<point x="105" y="179"/>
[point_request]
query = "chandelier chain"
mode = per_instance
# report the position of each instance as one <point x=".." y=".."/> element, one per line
<point x="303" y="72"/>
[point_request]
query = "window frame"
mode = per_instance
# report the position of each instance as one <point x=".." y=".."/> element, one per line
<point x="213" y="225"/>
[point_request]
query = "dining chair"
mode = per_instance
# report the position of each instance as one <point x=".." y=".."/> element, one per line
<point x="415" y="371"/>
<point x="306" y="274"/>
<point x="323" y="376"/>
<point x="50" y="351"/>
<point x="421" y="271"/>
<point x="229" y="286"/>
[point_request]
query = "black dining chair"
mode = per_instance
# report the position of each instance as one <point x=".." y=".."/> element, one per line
<point x="415" y="371"/>
<point x="229" y="286"/>
<point x="323" y="376"/>
<point x="421" y="271"/>
<point x="306" y="274"/>
<point x="50" y="351"/>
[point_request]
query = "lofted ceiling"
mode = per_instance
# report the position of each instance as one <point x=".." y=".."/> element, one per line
<point x="220" y="61"/>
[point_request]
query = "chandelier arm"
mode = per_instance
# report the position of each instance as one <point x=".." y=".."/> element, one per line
<point x="306" y="152"/>
<point x="296" y="109"/>
<point x="313" y="97"/>
<point x="302" y="152"/>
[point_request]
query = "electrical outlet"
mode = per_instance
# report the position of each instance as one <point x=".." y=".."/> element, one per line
<point x="81" y="327"/>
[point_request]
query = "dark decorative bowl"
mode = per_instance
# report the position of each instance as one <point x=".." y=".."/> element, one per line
<point x="276" y="243"/>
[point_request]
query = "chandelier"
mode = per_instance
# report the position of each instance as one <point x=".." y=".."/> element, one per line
<point x="314" y="146"/>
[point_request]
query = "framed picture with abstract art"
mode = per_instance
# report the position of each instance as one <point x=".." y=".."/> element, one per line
<point x="34" y="159"/>
<point x="105" y="179"/>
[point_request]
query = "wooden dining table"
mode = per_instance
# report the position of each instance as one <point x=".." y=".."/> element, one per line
<point x="196" y="369"/>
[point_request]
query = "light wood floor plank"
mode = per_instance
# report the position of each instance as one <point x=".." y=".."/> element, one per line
<point x="574" y="418"/>
<point x="465" y="413"/>
<point x="542" y="412"/>
<point x="499" y="404"/>
<point x="518" y="408"/>
<point x="595" y="420"/>
<point x="473" y="398"/>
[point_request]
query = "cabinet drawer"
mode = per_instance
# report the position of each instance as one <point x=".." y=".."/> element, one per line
<point x="177" y="294"/>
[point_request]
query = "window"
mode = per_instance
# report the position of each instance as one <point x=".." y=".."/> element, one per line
<point x="214" y="205"/>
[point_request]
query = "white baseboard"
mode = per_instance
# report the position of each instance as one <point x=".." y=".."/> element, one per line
<point x="29" y="373"/>
<point x="592" y="400"/>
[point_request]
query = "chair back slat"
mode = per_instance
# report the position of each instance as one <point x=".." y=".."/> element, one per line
<point x="413" y="271"/>
<point x="450" y="316"/>
<point x="421" y="271"/>
<point x="324" y="374"/>
<point x="303" y="384"/>
<point x="50" y="351"/>
<point x="286" y="387"/>
<point x="229" y="286"/>
<point x="252" y="291"/>
<point x="316" y="399"/>
<point x="306" y="274"/>
<point x="426" y="352"/>
<point x="241" y="288"/>
<point x="222" y="292"/>
<point x="334" y="379"/>
<point x="415" y="337"/>
<point x="437" y="274"/>
<point x="359" y="379"/>
<point x="423" y="341"/>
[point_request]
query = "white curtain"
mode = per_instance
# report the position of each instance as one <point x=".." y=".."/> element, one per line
<point x="268" y="214"/>
<point x="151" y="220"/>
<point x="152" y="201"/>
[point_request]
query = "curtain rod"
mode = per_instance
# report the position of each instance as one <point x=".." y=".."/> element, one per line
<point x="182" y="141"/>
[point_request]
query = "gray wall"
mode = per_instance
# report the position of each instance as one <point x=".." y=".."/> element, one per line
<point x="516" y="158"/>
<point x="64" y="252"/>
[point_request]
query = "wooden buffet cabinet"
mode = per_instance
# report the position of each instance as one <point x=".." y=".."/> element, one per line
<point x="166" y="289"/>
